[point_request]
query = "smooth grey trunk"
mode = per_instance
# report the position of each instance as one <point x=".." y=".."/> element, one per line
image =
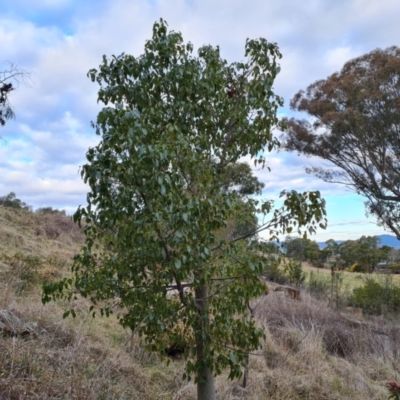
<point x="205" y="378"/>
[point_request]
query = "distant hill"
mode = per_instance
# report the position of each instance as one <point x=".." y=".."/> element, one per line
<point x="389" y="240"/>
<point x="385" y="240"/>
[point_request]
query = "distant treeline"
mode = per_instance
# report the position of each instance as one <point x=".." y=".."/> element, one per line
<point x="12" y="201"/>
<point x="361" y="255"/>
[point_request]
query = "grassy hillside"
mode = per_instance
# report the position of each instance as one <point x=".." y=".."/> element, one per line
<point x="351" y="280"/>
<point x="311" y="351"/>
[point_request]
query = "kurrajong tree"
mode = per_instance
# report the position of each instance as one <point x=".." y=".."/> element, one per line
<point x="355" y="125"/>
<point x="171" y="129"/>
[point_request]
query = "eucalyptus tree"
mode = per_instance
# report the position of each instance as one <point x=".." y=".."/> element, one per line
<point x="355" y="126"/>
<point x="172" y="125"/>
<point x="239" y="178"/>
<point x="363" y="251"/>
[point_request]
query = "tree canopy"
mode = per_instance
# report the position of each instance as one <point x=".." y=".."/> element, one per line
<point x="303" y="249"/>
<point x="364" y="252"/>
<point x="355" y="125"/>
<point x="173" y="126"/>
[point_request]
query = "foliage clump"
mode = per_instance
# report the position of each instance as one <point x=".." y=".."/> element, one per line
<point x="377" y="296"/>
<point x="11" y="200"/>
<point x="51" y="211"/>
<point x="294" y="271"/>
<point x="158" y="213"/>
<point x="355" y="126"/>
<point x="356" y="267"/>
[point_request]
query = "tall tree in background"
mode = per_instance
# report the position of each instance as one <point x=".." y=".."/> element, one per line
<point x="294" y="247"/>
<point x="363" y="251"/>
<point x="172" y="127"/>
<point x="303" y="249"/>
<point x="356" y="126"/>
<point x="312" y="253"/>
<point x="239" y="178"/>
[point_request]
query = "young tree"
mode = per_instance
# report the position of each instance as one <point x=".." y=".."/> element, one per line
<point x="332" y="247"/>
<point x="369" y="252"/>
<point x="356" y="127"/>
<point x="384" y="252"/>
<point x="312" y="253"/>
<point x="172" y="125"/>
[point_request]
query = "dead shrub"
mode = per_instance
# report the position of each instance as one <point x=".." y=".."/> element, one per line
<point x="11" y="324"/>
<point x="51" y="232"/>
<point x="52" y="226"/>
<point x="339" y="340"/>
<point x="39" y="231"/>
<point x="341" y="336"/>
<point x="65" y="225"/>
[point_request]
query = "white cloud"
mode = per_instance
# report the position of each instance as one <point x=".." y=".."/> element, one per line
<point x="337" y="57"/>
<point x="59" y="41"/>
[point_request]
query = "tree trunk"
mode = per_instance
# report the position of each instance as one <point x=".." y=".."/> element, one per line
<point x="246" y="374"/>
<point x="205" y="378"/>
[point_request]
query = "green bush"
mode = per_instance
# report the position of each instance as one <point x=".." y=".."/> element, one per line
<point x="294" y="272"/>
<point x="10" y="200"/>
<point x="377" y="297"/>
<point x="356" y="267"/>
<point x="395" y="268"/>
<point x="318" y="285"/>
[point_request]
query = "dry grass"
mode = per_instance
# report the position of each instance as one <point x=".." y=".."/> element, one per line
<point x="45" y="357"/>
<point x="350" y="279"/>
<point x="61" y="362"/>
<point x="311" y="351"/>
<point x="39" y="234"/>
<point x="314" y="352"/>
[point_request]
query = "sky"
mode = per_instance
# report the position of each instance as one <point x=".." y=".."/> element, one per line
<point x="58" y="41"/>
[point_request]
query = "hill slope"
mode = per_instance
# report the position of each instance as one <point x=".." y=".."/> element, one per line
<point x="311" y="351"/>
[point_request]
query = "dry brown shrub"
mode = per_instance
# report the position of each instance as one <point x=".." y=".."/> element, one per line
<point x="341" y="335"/>
<point x="56" y="225"/>
<point x="312" y="351"/>
<point x="51" y="232"/>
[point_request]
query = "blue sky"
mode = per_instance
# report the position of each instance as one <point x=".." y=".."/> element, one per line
<point x="58" y="41"/>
